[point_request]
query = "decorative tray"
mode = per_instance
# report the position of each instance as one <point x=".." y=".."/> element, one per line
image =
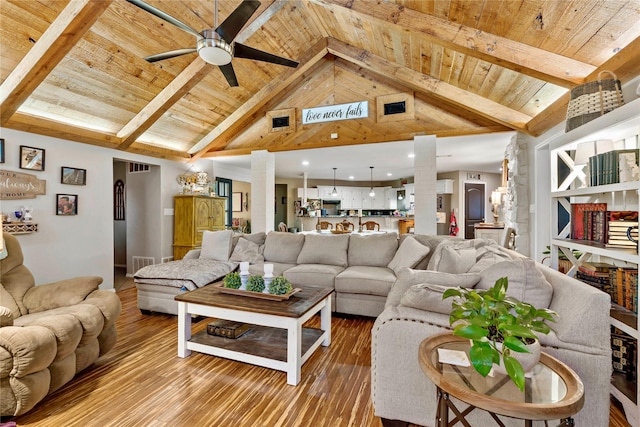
<point x="256" y="294"/>
<point x="341" y="231"/>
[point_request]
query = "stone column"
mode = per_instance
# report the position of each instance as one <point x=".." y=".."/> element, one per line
<point x="263" y="191"/>
<point x="516" y="205"/>
<point x="425" y="177"/>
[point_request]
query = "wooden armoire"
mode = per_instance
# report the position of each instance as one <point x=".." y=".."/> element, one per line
<point x="193" y="214"/>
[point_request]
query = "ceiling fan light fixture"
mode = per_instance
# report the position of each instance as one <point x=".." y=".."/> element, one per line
<point x="213" y="49"/>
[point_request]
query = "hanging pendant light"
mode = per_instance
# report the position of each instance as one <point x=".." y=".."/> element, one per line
<point x="334" y="193"/>
<point x="372" y="193"/>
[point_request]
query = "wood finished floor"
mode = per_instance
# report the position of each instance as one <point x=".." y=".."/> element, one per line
<point x="142" y="382"/>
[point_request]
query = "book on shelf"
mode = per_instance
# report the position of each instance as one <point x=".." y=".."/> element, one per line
<point x="624" y="354"/>
<point x="613" y="167"/>
<point x="588" y="220"/>
<point x="619" y="224"/>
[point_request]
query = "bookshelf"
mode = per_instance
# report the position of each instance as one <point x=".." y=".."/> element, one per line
<point x="622" y="127"/>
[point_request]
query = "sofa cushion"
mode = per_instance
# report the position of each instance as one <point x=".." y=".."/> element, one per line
<point x="408" y="277"/>
<point x="427" y="297"/>
<point x="6" y="300"/>
<point x="376" y="250"/>
<point x="246" y="250"/>
<point x="6" y="317"/>
<point x="216" y="245"/>
<point x="313" y="275"/>
<point x="319" y="249"/>
<point x="408" y="254"/>
<point x="365" y="280"/>
<point x="526" y="282"/>
<point x="283" y="247"/>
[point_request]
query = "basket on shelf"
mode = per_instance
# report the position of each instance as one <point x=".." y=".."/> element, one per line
<point x="593" y="99"/>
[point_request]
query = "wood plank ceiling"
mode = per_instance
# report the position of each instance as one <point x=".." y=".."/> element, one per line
<point x="75" y="69"/>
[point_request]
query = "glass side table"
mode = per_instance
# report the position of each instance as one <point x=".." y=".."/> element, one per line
<point x="552" y="389"/>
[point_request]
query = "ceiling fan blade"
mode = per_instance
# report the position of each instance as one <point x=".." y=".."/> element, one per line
<point x="231" y="26"/>
<point x="229" y="74"/>
<point x="170" y="19"/>
<point x="243" y="51"/>
<point x="170" y="54"/>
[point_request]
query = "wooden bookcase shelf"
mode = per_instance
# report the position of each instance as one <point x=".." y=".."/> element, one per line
<point x="620" y="124"/>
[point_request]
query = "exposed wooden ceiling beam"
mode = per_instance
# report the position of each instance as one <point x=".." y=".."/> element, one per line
<point x="172" y="93"/>
<point x="507" y="53"/>
<point x="237" y="119"/>
<point x="624" y="64"/>
<point x="426" y="84"/>
<point x="61" y="36"/>
<point x="42" y="126"/>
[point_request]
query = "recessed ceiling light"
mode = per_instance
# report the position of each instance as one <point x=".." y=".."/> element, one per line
<point x="411" y="155"/>
<point x="389" y="174"/>
<point x="351" y="177"/>
<point x="305" y="163"/>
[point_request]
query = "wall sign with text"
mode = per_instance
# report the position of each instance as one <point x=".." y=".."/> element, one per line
<point x="18" y="185"/>
<point x="332" y="113"/>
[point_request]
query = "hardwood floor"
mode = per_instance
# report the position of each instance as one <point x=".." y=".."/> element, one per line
<point x="142" y="382"/>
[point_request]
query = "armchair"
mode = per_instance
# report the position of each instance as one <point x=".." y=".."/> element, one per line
<point x="54" y="331"/>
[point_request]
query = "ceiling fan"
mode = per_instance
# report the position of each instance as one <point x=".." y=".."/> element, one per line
<point x="216" y="46"/>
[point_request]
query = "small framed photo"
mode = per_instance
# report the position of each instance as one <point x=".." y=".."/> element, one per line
<point x="73" y="176"/>
<point x="31" y="158"/>
<point x="1" y="150"/>
<point x="67" y="204"/>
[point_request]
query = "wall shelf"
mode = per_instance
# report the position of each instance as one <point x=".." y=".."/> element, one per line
<point x="20" y="228"/>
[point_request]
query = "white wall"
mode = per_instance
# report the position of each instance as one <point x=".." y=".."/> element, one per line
<point x="67" y="246"/>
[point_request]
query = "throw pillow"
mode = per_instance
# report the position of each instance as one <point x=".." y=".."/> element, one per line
<point x="409" y="254"/>
<point x="453" y="257"/>
<point x="408" y="277"/>
<point x="427" y="297"/>
<point x="246" y="250"/>
<point x="489" y="254"/>
<point x="216" y="245"/>
<point x="526" y="282"/>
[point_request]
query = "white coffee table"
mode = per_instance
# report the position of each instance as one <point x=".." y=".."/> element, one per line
<point x="276" y="339"/>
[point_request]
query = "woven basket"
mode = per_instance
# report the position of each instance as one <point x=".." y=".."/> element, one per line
<point x="592" y="100"/>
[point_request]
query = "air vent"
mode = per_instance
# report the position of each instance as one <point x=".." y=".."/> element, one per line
<point x="138" y="168"/>
<point x="279" y="122"/>
<point x="395" y="108"/>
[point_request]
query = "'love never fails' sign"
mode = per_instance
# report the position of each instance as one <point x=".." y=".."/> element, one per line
<point x="332" y="113"/>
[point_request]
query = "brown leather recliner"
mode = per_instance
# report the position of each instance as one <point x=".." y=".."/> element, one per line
<point x="48" y="333"/>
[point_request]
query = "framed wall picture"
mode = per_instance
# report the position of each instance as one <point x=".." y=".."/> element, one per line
<point x="73" y="176"/>
<point x="1" y="150"/>
<point x="67" y="204"/>
<point x="31" y="158"/>
<point x="236" y="202"/>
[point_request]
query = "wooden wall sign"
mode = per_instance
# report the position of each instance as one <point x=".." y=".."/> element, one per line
<point x="332" y="113"/>
<point x="18" y="185"/>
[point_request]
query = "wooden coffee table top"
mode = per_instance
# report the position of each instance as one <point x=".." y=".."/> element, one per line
<point x="297" y="305"/>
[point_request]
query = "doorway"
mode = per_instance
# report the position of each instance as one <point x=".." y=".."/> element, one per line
<point x="224" y="188"/>
<point x="280" y="214"/>
<point x="473" y="207"/>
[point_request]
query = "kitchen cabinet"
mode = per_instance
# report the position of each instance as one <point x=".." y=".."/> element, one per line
<point x="621" y="126"/>
<point x="192" y="216"/>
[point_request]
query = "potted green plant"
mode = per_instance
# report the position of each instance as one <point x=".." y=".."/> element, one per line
<point x="232" y="280"/>
<point x="255" y="283"/>
<point x="280" y="286"/>
<point x="498" y="326"/>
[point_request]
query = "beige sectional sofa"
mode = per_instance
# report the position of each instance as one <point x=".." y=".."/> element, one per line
<point x="391" y="278"/>
<point x="415" y="310"/>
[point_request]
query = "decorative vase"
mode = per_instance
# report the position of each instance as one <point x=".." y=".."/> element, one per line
<point x="527" y="360"/>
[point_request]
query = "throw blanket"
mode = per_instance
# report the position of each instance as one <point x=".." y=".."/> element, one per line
<point x="188" y="273"/>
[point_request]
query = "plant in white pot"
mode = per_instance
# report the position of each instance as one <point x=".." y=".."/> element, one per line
<point x="498" y="326"/>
